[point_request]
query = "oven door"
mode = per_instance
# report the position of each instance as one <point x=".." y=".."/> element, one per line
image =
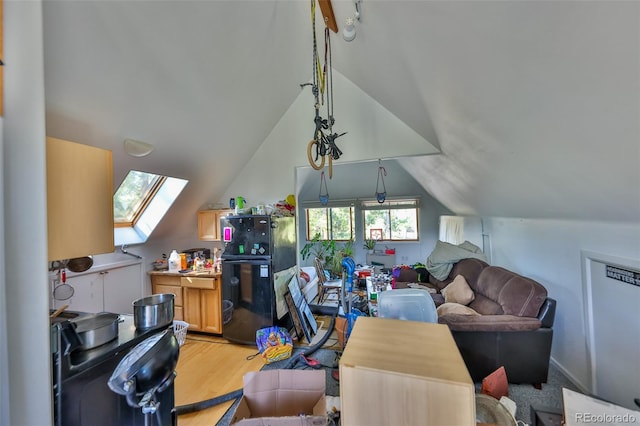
<point x="248" y="284"/>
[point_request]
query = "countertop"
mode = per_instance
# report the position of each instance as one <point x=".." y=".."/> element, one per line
<point x="205" y="273"/>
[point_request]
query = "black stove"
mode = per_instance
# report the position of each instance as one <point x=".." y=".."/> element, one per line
<point x="80" y="378"/>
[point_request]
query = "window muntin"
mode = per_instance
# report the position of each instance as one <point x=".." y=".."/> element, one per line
<point x="331" y="223"/>
<point x="393" y="220"/>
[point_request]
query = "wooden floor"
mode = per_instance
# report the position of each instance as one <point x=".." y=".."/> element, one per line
<point x="209" y="367"/>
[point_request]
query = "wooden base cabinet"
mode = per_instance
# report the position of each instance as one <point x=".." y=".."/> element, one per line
<point x="202" y="304"/>
<point x="169" y="284"/>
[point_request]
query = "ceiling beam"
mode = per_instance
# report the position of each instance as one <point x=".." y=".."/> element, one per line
<point x="327" y="13"/>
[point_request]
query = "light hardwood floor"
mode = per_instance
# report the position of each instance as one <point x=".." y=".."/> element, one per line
<point x="209" y="367"/>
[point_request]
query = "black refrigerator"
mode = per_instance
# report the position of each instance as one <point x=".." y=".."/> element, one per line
<point x="255" y="247"/>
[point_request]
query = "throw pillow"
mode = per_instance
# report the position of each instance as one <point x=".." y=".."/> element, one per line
<point x="305" y="276"/>
<point x="455" y="308"/>
<point x="458" y="291"/>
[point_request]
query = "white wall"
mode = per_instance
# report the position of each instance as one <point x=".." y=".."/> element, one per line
<point x="358" y="181"/>
<point x="25" y="215"/>
<point x="372" y="133"/>
<point x="549" y="251"/>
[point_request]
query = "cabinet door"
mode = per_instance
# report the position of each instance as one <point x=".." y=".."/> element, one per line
<point x="175" y="290"/>
<point x="122" y="286"/>
<point x="88" y="293"/>
<point x="207" y="229"/>
<point x="192" y="308"/>
<point x="209" y="224"/>
<point x="79" y="200"/>
<point x="211" y="311"/>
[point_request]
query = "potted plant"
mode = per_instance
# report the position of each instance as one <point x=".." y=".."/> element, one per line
<point x="330" y="252"/>
<point x="335" y="263"/>
<point x="322" y="249"/>
<point x="369" y="244"/>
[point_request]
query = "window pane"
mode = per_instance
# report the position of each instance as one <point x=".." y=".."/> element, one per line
<point x="334" y="223"/>
<point x="132" y="194"/>
<point x="404" y="224"/>
<point x="395" y="220"/>
<point x="317" y="223"/>
<point x="341" y="228"/>
<point x="376" y="222"/>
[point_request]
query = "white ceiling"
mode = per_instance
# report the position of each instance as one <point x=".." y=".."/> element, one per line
<point x="534" y="105"/>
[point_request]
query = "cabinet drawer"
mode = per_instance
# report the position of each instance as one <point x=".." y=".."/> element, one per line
<point x="198" y="282"/>
<point x="166" y="280"/>
<point x="169" y="289"/>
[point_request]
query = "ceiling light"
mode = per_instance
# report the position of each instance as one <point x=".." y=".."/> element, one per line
<point x="137" y="148"/>
<point x="349" y="32"/>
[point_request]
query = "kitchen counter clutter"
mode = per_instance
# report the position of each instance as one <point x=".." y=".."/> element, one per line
<point x="198" y="297"/>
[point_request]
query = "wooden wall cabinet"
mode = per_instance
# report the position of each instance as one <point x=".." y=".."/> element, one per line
<point x="169" y="284"/>
<point x="209" y="224"/>
<point x="202" y="304"/>
<point x="79" y="200"/>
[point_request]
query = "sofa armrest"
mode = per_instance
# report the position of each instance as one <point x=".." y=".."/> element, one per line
<point x="457" y="322"/>
<point x="547" y="313"/>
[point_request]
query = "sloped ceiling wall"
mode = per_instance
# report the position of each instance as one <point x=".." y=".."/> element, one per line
<point x="535" y="106"/>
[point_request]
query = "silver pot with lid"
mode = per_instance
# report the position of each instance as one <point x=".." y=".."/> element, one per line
<point x="96" y="329"/>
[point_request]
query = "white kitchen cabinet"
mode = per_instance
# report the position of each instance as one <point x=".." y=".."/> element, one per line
<point x="110" y="290"/>
<point x="88" y="294"/>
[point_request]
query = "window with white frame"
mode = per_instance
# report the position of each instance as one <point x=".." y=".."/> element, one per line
<point x="393" y="220"/>
<point x="331" y="223"/>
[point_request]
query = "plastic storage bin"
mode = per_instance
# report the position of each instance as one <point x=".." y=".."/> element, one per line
<point x="410" y="304"/>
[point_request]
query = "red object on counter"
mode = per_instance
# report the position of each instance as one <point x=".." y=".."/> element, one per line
<point x="364" y="274"/>
<point x="390" y="251"/>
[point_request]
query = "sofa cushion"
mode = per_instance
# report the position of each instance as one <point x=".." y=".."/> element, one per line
<point x="457" y="322"/>
<point x="455" y="308"/>
<point x="458" y="291"/>
<point x="469" y="268"/>
<point x="500" y="291"/>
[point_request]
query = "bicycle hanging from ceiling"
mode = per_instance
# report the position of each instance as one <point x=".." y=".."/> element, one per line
<point x="324" y="138"/>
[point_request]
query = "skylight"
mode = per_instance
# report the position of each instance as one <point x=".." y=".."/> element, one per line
<point x="140" y="203"/>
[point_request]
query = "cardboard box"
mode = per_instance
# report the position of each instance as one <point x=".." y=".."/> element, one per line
<point x="282" y="398"/>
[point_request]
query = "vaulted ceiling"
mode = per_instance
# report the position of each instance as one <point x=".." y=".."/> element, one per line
<point x="535" y="106"/>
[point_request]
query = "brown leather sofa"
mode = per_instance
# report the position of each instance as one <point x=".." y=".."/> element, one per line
<point x="514" y="328"/>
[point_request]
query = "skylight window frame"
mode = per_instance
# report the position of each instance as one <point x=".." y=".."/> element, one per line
<point x="151" y="192"/>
